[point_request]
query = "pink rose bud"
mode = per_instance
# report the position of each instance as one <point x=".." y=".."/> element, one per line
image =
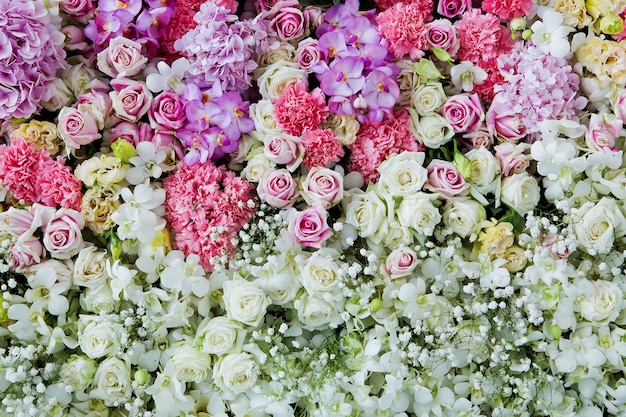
<point x="619" y="106"/>
<point x="99" y="104"/>
<point x="480" y="138"/>
<point x="131" y="99"/>
<point x="62" y="236"/>
<point x="125" y="131"/>
<point x="452" y="8"/>
<point x="309" y="227"/>
<point x="322" y="187"/>
<point x="512" y="158"/>
<point x="79" y="10"/>
<point x="286" y="150"/>
<point x="74" y="38"/>
<point x="445" y="178"/>
<point x="278" y="189"/>
<point x="26" y="253"/>
<point x="167" y="112"/>
<point x="464" y="112"/>
<point x="307" y="54"/>
<point x="122" y="58"/>
<point x="77" y="127"/>
<point x="287" y="20"/>
<point x="441" y="34"/>
<point x="313" y="17"/>
<point x="602" y="132"/>
<point x="505" y="124"/>
<point x="401" y="262"/>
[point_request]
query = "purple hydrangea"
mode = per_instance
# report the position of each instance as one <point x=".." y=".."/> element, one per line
<point x="220" y="49"/>
<point x="31" y="52"/>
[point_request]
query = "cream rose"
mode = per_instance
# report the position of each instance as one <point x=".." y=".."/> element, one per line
<point x="464" y="217"/>
<point x="236" y="372"/>
<point x="484" y="168"/>
<point x="190" y="364"/>
<point x="245" y="301"/>
<point x="603" y="305"/>
<point x="320" y="273"/>
<point x="597" y="227"/>
<point x="314" y="312"/>
<point x="112" y="382"/>
<point x="428" y="98"/>
<point x="520" y="192"/>
<point x="78" y="371"/>
<point x="220" y="335"/>
<point x="98" y="299"/>
<point x="432" y="130"/>
<point x="265" y="124"/>
<point x="403" y="174"/>
<point x="419" y="213"/>
<point x="90" y="267"/>
<point x="98" y="338"/>
<point x="257" y="166"/>
<point x="278" y="76"/>
<point x="367" y="212"/>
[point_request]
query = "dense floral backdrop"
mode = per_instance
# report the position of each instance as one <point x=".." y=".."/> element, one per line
<point x="273" y="208"/>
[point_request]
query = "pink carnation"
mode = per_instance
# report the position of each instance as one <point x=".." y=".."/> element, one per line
<point x="481" y="36"/>
<point x="298" y="110"/>
<point x="386" y="4"/>
<point x="486" y="90"/>
<point x="19" y="164"/>
<point x="507" y="10"/>
<point x="375" y="142"/>
<point x="321" y="147"/>
<point x="403" y="26"/>
<point x="206" y="206"/>
<point x="57" y="186"/>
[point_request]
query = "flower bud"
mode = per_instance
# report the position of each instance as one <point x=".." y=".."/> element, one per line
<point x="526" y="34"/>
<point x="141" y="376"/>
<point x="555" y="330"/>
<point x="375" y="305"/>
<point x="123" y="150"/>
<point x="518" y="24"/>
<point x="611" y="24"/>
<point x="426" y="68"/>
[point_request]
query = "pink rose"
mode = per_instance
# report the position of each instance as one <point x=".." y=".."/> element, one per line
<point x="26" y="253"/>
<point x="77" y="127"/>
<point x="167" y="112"/>
<point x="131" y="99"/>
<point x="99" y="104"/>
<point x="164" y="139"/>
<point x="323" y="187"/>
<point x="444" y="178"/>
<point x="401" y="262"/>
<point x="74" y="38"/>
<point x="309" y="227"/>
<point x="464" y="112"/>
<point x="62" y="236"/>
<point x="441" y="34"/>
<point x="126" y="131"/>
<point x="122" y="58"/>
<point x="504" y="123"/>
<point x="313" y="16"/>
<point x="266" y="5"/>
<point x="286" y="150"/>
<point x="602" y="132"/>
<point x="80" y="10"/>
<point x="278" y="189"/>
<point x="307" y="54"/>
<point x="452" y="8"/>
<point x="287" y="20"/>
<point x="24" y="223"/>
<point x="512" y="158"/>
<point x="480" y="138"/>
<point x="619" y="106"/>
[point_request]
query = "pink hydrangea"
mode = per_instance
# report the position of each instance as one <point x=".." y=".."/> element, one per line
<point x="57" y="186"/>
<point x="403" y="26"/>
<point x="19" y="163"/>
<point x="507" y="10"/>
<point x="321" y="147"/>
<point x="375" y="142"/>
<point x="206" y="206"/>
<point x="298" y="110"/>
<point x="481" y="36"/>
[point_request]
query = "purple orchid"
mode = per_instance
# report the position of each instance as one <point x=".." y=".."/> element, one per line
<point x="345" y="77"/>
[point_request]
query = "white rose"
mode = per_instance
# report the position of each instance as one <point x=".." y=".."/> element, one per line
<point x="484" y="168"/>
<point x="603" y="304"/>
<point x="419" y="213"/>
<point x="315" y="312"/>
<point x="78" y="371"/>
<point x="428" y="98"/>
<point x="464" y="217"/>
<point x="112" y="381"/>
<point x="278" y="76"/>
<point x="245" y="301"/>
<point x="283" y="52"/>
<point x="90" y="267"/>
<point x="98" y="338"/>
<point x="520" y="192"/>
<point x="403" y="174"/>
<point x="220" y="335"/>
<point x="367" y="212"/>
<point x="265" y="124"/>
<point x="597" y="227"/>
<point x="190" y="364"/>
<point x="235" y="372"/>
<point x="432" y="130"/>
<point x="98" y="299"/>
<point x="398" y="236"/>
<point x="281" y="287"/>
<point x="320" y="273"/>
<point x="322" y="187"/>
<point x="257" y="166"/>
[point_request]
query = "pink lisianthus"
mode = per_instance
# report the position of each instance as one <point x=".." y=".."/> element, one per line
<point x="445" y="178"/>
<point x="464" y="112"/>
<point x="62" y="235"/>
<point x="298" y="110"/>
<point x="321" y="147"/>
<point x="309" y="227"/>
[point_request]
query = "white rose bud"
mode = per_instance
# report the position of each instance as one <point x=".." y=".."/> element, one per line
<point x="597" y="227"/>
<point x="235" y="372"/>
<point x="78" y="371"/>
<point x="220" y="335"/>
<point x="419" y="213"/>
<point x="245" y="302"/>
<point x="464" y="217"/>
<point x="484" y="169"/>
<point x="520" y="192"/>
<point x="403" y="174"/>
<point x="190" y="364"/>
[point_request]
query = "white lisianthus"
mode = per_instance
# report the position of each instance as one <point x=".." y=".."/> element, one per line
<point x="428" y="98"/>
<point x="78" y="371"/>
<point x="320" y="273"/>
<point x="419" y="213"/>
<point x="245" y="301"/>
<point x="220" y="335"/>
<point x="598" y="226"/>
<point x="90" y="267"/>
<point x="432" y="130"/>
<point x="485" y="169"/>
<point x="235" y="372"/>
<point x="112" y="382"/>
<point x="189" y="363"/>
<point x="278" y="76"/>
<point x="403" y="174"/>
<point x="521" y="192"/>
<point x="464" y="217"/>
<point x="367" y="212"/>
<point x="98" y="338"/>
<point x="106" y="170"/>
<point x="603" y="305"/>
